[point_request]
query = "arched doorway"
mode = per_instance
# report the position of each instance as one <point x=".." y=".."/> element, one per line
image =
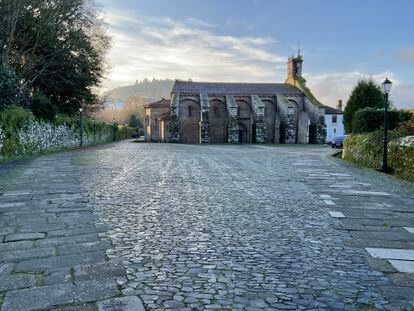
<point x="243" y="134"/>
<point x="218" y="122"/>
<point x="189" y="117"/>
<point x="245" y="116"/>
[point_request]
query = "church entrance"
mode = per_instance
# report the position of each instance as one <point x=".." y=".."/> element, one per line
<point x="242" y="134"/>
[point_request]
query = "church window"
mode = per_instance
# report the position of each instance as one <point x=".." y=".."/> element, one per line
<point x="238" y="111"/>
<point x="334" y="119"/>
<point x="190" y="111"/>
<point x="155" y="121"/>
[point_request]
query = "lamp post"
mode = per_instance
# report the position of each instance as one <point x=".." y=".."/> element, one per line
<point x="126" y="131"/>
<point x="386" y="86"/>
<point x="81" y="126"/>
<point x="113" y="128"/>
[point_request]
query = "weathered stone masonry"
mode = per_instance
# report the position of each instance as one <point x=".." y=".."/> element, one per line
<point x="213" y="112"/>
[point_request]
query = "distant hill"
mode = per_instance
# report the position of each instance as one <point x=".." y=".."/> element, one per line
<point x="152" y="90"/>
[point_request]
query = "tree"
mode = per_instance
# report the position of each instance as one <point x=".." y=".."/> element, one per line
<point x="42" y="107"/>
<point x="366" y="94"/>
<point x="134" y="122"/>
<point x="58" y="48"/>
<point x="369" y="119"/>
<point x="9" y="87"/>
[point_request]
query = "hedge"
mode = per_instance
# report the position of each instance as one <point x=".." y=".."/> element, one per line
<point x="22" y="134"/>
<point x="366" y="150"/>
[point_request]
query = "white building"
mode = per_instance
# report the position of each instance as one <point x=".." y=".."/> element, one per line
<point x="334" y="123"/>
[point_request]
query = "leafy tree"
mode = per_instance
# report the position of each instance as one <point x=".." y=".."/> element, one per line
<point x="9" y="87"/>
<point x="134" y="122"/>
<point x="58" y="47"/>
<point x="42" y="107"/>
<point x="371" y="119"/>
<point x="366" y="94"/>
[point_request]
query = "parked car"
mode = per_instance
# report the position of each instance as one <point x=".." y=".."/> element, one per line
<point x="338" y="142"/>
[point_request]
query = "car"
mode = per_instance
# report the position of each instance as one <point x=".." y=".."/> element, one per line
<point x="338" y="142"/>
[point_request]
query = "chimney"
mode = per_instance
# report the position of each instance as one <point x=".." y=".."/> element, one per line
<point x="339" y="104"/>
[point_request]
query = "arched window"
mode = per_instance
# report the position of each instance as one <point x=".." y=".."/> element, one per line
<point x="190" y="111"/>
<point x="238" y="111"/>
<point x="155" y="121"/>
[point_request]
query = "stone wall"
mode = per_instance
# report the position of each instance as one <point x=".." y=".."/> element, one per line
<point x="36" y="137"/>
<point x="366" y="150"/>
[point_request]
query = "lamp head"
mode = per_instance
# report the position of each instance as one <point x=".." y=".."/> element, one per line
<point x="386" y="86"/>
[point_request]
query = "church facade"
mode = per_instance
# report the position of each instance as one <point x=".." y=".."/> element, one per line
<point x="215" y="112"/>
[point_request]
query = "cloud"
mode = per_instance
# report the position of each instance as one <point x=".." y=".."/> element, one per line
<point x="330" y="87"/>
<point x="406" y="55"/>
<point x="145" y="47"/>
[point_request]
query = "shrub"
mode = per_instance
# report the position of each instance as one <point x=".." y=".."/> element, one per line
<point x="42" y="107"/>
<point x="370" y="119"/>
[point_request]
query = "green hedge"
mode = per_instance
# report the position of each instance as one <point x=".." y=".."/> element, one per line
<point x="371" y="119"/>
<point x="366" y="150"/>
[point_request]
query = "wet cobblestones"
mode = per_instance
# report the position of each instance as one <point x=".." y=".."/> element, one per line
<point x="225" y="228"/>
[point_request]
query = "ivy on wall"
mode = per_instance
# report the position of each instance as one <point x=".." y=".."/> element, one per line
<point x="22" y="134"/>
<point x="366" y="150"/>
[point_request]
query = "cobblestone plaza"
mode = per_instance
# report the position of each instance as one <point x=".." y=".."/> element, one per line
<point x="203" y="227"/>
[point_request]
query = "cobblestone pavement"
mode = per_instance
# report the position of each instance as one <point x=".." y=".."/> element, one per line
<point x="207" y="227"/>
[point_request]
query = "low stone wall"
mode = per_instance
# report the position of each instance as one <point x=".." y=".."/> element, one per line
<point x="366" y="150"/>
<point x="21" y="134"/>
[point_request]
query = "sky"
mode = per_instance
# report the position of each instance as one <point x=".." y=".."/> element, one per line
<point x="341" y="42"/>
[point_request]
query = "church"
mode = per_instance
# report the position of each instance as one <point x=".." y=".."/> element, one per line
<point x="217" y="112"/>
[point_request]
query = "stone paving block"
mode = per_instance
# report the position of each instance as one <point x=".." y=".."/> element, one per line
<point x="17" y="281"/>
<point x="49" y="296"/>
<point x="335" y="214"/>
<point x="329" y="202"/>
<point x="389" y="253"/>
<point x="84" y="247"/>
<point x="58" y="262"/>
<point x="409" y="229"/>
<point x="5" y="269"/>
<point x="57" y="276"/>
<point x="81" y="307"/>
<point x="32" y="253"/>
<point x="325" y="196"/>
<point x="403" y="265"/>
<point x="391" y="236"/>
<point x="69" y="240"/>
<point x="129" y="303"/>
<point x="402" y="279"/>
<point x="366" y="193"/>
<point x="98" y="271"/>
<point x="24" y="236"/>
<point x="11" y="205"/>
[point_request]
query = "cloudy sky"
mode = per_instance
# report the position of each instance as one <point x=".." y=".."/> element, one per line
<point x="251" y="40"/>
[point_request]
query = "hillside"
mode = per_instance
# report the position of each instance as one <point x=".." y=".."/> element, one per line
<point x="152" y="90"/>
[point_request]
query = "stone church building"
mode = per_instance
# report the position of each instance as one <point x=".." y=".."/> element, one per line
<point x="215" y="112"/>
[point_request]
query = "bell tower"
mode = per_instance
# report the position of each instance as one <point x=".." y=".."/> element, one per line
<point x="294" y="68"/>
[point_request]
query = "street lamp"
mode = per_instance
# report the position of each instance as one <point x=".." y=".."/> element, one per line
<point x="386" y="86"/>
<point x="113" y="128"/>
<point x="126" y="131"/>
<point x="81" y="126"/>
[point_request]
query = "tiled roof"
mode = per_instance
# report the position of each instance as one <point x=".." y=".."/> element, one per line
<point x="331" y="110"/>
<point x="234" y="88"/>
<point x="161" y="103"/>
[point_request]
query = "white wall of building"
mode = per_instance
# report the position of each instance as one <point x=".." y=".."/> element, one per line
<point x="334" y="127"/>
